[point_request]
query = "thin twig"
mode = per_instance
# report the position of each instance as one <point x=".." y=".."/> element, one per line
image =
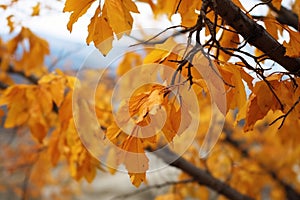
<point x="156" y="186"/>
<point x="283" y="117"/>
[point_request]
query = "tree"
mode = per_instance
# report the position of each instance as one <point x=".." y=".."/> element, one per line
<point x="230" y="86"/>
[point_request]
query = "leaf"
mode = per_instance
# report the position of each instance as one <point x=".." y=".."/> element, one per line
<point x="178" y="120"/>
<point x="148" y="102"/>
<point x="10" y="23"/>
<point x="119" y="18"/>
<point x="130" y="5"/>
<point x="130" y="60"/>
<point x="187" y="12"/>
<point x="78" y="8"/>
<point x="272" y="26"/>
<point x="90" y="171"/>
<point x="100" y="32"/>
<point x="32" y="60"/>
<point x="219" y="165"/>
<point x="293" y="46"/>
<point x="236" y="94"/>
<point x="55" y="85"/>
<point x="262" y="100"/>
<point x="296" y="9"/>
<point x="161" y="51"/>
<point x="137" y="178"/>
<point x="172" y="123"/>
<point x="229" y="39"/>
<point x="276" y="4"/>
<point x="135" y="159"/>
<point x="170" y="196"/>
<point x="36" y="9"/>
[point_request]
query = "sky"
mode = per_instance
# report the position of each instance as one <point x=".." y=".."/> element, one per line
<point x="51" y="24"/>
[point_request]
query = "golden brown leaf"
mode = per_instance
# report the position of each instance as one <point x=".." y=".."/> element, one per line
<point x="293" y="46"/>
<point x="36" y="9"/>
<point x="78" y="8"/>
<point x="229" y="39"/>
<point x="119" y="17"/>
<point x="100" y="32"/>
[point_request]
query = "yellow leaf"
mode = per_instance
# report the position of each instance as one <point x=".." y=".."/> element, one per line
<point x="32" y="60"/>
<point x="36" y="9"/>
<point x="55" y="84"/>
<point x="137" y="178"/>
<point x="130" y="5"/>
<point x="148" y="102"/>
<point x="219" y="165"/>
<point x="78" y="8"/>
<point x="171" y="196"/>
<point x="53" y="145"/>
<point x="261" y="101"/>
<point x="161" y="51"/>
<point x="135" y="159"/>
<point x="131" y="59"/>
<point x="111" y="160"/>
<point x="114" y="133"/>
<point x="187" y="12"/>
<point x="229" y="39"/>
<point x="10" y="23"/>
<point x="167" y="7"/>
<point x="119" y="17"/>
<point x="38" y="130"/>
<point x="100" y="32"/>
<point x="178" y="120"/>
<point x="293" y="46"/>
<point x="236" y="94"/>
<point x="90" y="171"/>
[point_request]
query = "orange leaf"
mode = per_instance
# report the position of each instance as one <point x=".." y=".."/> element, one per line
<point x="119" y="17"/>
<point x="78" y="8"/>
<point x="100" y="32"/>
<point x="137" y="178"/>
<point x="293" y="46"/>
<point x="229" y="39"/>
<point x="10" y="23"/>
<point x="147" y="103"/>
<point x="36" y="9"/>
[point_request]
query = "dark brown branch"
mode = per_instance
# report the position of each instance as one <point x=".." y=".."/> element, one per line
<point x="3" y="86"/>
<point x="201" y="176"/>
<point x="256" y="35"/>
<point x="285" y="16"/>
<point x="31" y="78"/>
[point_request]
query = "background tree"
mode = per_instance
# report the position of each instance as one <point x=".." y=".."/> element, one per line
<point x="251" y="62"/>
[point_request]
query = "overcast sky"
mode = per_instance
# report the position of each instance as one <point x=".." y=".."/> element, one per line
<point x="54" y="23"/>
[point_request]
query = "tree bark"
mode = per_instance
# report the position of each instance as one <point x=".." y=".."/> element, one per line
<point x="201" y="176"/>
<point x="256" y="35"/>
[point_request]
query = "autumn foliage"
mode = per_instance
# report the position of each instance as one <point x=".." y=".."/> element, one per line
<point x="217" y="99"/>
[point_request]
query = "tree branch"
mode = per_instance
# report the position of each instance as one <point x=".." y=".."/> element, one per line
<point x="291" y="193"/>
<point x="156" y="186"/>
<point x="285" y="16"/>
<point x="256" y="35"/>
<point x="201" y="176"/>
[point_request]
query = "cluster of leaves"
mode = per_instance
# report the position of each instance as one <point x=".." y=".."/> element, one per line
<point x="249" y="149"/>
